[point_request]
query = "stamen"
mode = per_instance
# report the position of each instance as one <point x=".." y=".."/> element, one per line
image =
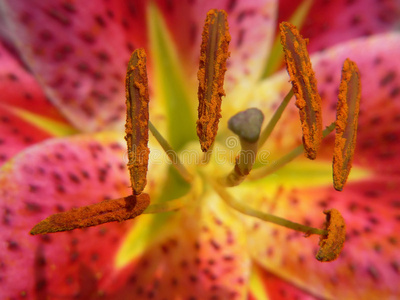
<point x="106" y="211"/>
<point x="213" y="56"/>
<point x="304" y="85"/>
<point x="247" y="125"/>
<point x="284" y="160"/>
<point x="249" y="211"/>
<point x="332" y="244"/>
<point x="137" y="116"/>
<point x="346" y="123"/>
<point x="176" y="162"/>
<point x="274" y="120"/>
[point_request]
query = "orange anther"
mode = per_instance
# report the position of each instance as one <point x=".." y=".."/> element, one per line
<point x="213" y="55"/>
<point x="304" y="86"/>
<point x="106" y="211"/>
<point x="137" y="118"/>
<point x="332" y="244"/>
<point x="346" y="123"/>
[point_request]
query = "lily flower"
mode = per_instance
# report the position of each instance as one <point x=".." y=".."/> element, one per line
<point x="62" y="147"/>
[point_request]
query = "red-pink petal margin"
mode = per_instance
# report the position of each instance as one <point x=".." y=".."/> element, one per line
<point x="332" y="22"/>
<point x="79" y="52"/>
<point x="278" y="289"/>
<point x="20" y="90"/>
<point x="51" y="177"/>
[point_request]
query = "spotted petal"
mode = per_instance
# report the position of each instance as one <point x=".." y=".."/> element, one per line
<point x="24" y="109"/>
<point x="198" y="255"/>
<point x="332" y="22"/>
<point x="369" y="264"/>
<point x="51" y="177"/>
<point x="79" y="52"/>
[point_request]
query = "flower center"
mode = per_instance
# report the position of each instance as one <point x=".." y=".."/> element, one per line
<point x="247" y="125"/>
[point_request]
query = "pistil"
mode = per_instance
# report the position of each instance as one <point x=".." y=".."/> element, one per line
<point x="247" y="125"/>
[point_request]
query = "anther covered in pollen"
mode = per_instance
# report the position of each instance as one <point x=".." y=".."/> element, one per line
<point x="304" y="86"/>
<point x="332" y="244"/>
<point x="346" y="123"/>
<point x="213" y="56"/>
<point x="106" y="211"/>
<point x="137" y="117"/>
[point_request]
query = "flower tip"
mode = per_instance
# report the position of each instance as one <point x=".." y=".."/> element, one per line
<point x="331" y="245"/>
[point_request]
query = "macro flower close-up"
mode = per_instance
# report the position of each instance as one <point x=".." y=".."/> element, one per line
<point x="184" y="212"/>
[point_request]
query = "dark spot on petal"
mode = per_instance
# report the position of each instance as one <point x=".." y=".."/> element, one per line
<point x="373" y="272"/>
<point x="231" y="5"/>
<point x="74" y="178"/>
<point x="59" y="16"/>
<point x="69" y="6"/>
<point x="6" y="216"/>
<point x="355" y="20"/>
<point x="102" y="174"/>
<point x="110" y="14"/>
<point x="240" y="38"/>
<point x="389" y="77"/>
<point x="215" y="245"/>
<point x="88" y="37"/>
<point x="82" y="67"/>
<point x="12" y="245"/>
<point x="33" y="207"/>
<point x="41" y="284"/>
<point x="395" y="267"/>
<point x="94" y="256"/>
<point x="103" y="56"/>
<point x="12" y="77"/>
<point x="60" y="189"/>
<point x="100" y="21"/>
<point x="392" y="240"/>
<point x="395" y="92"/>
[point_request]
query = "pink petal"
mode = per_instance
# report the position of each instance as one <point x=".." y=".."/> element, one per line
<point x="369" y="264"/>
<point x="20" y="90"/>
<point x="251" y="25"/>
<point x="331" y="22"/>
<point x="54" y="176"/>
<point x="368" y="267"/>
<point x="200" y="256"/>
<point x="79" y="52"/>
<point x="378" y="134"/>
